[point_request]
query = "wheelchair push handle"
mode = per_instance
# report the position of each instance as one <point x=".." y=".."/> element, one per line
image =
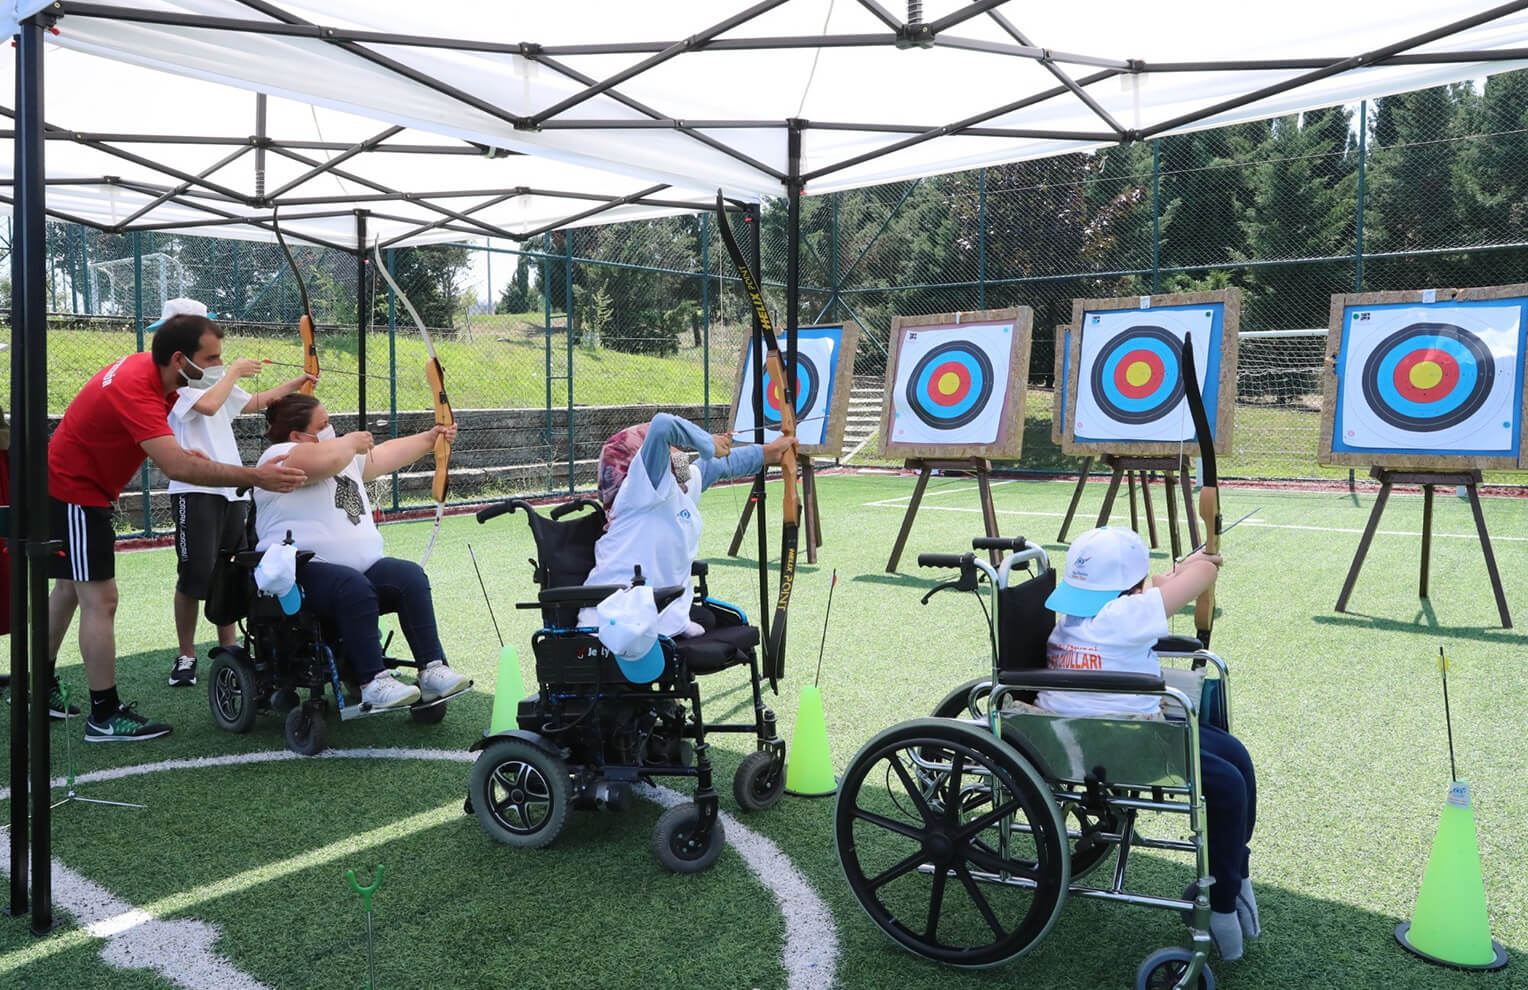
<point x="961" y="560"/>
<point x="965" y="561"/>
<point x="497" y="509"/>
<point x="1010" y="544"/>
<point x="576" y="504"/>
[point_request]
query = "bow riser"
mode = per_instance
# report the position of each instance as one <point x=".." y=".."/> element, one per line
<point x="309" y="351"/>
<point x="1209" y="490"/>
<point x="436" y="376"/>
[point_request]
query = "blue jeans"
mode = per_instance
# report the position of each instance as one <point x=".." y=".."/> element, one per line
<point x="354" y="602"/>
<point x="1230" y="801"/>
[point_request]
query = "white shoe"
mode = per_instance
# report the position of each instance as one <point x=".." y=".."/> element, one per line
<point x="386" y="691"/>
<point x="437" y="680"/>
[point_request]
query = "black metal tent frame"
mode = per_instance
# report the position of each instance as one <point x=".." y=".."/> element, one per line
<point x="28" y="521"/>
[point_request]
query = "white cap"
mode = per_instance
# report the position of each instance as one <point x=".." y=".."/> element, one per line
<point x="276" y="576"/>
<point x="629" y="629"/>
<point x="182" y="307"/>
<point x="1100" y="564"/>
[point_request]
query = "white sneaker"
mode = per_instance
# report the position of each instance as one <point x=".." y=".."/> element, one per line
<point x="1246" y="910"/>
<point x="1226" y="930"/>
<point x="437" y="680"/>
<point x="386" y="691"/>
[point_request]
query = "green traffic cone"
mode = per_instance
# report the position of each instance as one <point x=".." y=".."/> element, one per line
<point x="507" y="692"/>
<point x="809" y="769"/>
<point x="1449" y="925"/>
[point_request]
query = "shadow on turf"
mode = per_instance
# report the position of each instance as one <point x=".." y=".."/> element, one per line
<point x="1425" y="622"/>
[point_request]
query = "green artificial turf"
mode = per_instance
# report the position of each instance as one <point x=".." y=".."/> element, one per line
<point x="1342" y="712"/>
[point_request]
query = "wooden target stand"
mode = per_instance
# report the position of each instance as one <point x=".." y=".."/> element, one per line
<point x="1175" y="471"/>
<point x="811" y="516"/>
<point x="1469" y="480"/>
<point x="980" y="466"/>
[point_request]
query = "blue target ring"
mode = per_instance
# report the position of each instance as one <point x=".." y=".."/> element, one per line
<point x="1148" y="350"/>
<point x="1428" y="377"/>
<point x="950" y="386"/>
<point x="806" y="392"/>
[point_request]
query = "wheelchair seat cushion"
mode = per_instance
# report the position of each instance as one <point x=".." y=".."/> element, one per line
<point x="718" y="649"/>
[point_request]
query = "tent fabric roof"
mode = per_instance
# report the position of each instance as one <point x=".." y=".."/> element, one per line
<point x="617" y="97"/>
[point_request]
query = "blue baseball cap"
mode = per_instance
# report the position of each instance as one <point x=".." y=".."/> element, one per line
<point x="644" y="669"/>
<point x="1100" y="564"/>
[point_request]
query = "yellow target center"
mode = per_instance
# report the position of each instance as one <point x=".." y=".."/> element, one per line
<point x="1426" y="374"/>
<point x="948" y="383"/>
<point x="1138" y="374"/>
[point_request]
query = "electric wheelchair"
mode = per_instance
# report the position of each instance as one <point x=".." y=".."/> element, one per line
<point x="963" y="834"/>
<point x="279" y="656"/>
<point x="588" y="736"/>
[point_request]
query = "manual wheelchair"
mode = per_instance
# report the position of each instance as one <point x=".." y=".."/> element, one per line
<point x="280" y="655"/>
<point x="962" y="834"/>
<point x="588" y="736"/>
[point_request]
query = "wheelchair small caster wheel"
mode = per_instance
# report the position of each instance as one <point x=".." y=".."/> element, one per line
<point x="233" y="693"/>
<point x="1164" y="968"/>
<point x="428" y="716"/>
<point x="759" y="782"/>
<point x="307" y="731"/>
<point x="520" y="793"/>
<point x="676" y="844"/>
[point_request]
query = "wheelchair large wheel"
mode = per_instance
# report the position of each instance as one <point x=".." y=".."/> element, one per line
<point x="520" y="793"/>
<point x="307" y="730"/>
<point x="951" y="843"/>
<point x="231" y="692"/>
<point x="759" y="782"/>
<point x="969" y="701"/>
<point x="676" y="845"/>
<point x="1164" y="968"/>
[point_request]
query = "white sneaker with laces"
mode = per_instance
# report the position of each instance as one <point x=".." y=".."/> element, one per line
<point x="437" y="680"/>
<point x="386" y="691"/>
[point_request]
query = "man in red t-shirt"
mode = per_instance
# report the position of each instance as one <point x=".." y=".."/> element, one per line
<point x="119" y="418"/>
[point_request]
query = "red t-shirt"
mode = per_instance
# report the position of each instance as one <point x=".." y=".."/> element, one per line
<point x="96" y="449"/>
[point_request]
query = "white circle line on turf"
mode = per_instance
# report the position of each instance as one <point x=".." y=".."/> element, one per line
<point x="138" y="940"/>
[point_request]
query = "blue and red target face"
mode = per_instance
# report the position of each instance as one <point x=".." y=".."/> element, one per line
<point x="807" y="381"/>
<point x="1136" y="378"/>
<point x="950" y="386"/>
<point x="1428" y="376"/>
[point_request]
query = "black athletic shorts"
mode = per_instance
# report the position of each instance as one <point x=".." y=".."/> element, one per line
<point x="88" y="540"/>
<point x="204" y="524"/>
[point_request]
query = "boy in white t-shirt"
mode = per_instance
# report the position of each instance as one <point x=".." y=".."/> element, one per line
<point x="208" y="519"/>
<point x="1110" y="614"/>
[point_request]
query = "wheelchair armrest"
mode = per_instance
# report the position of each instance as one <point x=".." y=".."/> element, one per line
<point x="251" y="558"/>
<point x="664" y="597"/>
<point x="1082" y="680"/>
<point x="1179" y="644"/>
<point x="699" y="568"/>
<point x="581" y="595"/>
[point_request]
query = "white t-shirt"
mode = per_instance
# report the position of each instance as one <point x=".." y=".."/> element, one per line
<point x="1119" y="638"/>
<point x="659" y="527"/>
<point x="212" y="435"/>
<point x="331" y="517"/>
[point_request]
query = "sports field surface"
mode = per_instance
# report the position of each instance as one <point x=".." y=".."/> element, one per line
<point x="234" y="874"/>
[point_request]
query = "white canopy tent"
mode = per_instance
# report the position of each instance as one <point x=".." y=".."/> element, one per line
<point x="782" y="96"/>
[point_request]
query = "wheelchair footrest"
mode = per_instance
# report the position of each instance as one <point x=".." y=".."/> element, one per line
<point x="362" y="710"/>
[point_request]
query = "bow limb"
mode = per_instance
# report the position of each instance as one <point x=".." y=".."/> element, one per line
<point x="791" y="505"/>
<point x="435" y="375"/>
<point x="1209" y="491"/>
<point x="304" y="322"/>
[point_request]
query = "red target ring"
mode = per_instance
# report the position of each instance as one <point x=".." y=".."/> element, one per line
<point x="941" y="375"/>
<point x="1426" y="375"/>
<point x="1139" y="362"/>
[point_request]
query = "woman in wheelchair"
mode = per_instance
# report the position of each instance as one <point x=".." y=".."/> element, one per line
<point x="651" y="494"/>
<point x="348" y="580"/>
<point x="1110" y="614"/>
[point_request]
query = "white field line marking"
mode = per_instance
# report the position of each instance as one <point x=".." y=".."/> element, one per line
<point x="181" y="950"/>
<point x="893" y="504"/>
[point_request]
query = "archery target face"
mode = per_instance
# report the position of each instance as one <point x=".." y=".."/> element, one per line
<point x="816" y="359"/>
<point x="1129" y="383"/>
<point x="951" y="384"/>
<point x="1440" y="379"/>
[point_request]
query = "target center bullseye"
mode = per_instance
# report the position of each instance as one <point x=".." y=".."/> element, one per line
<point x="948" y="383"/>
<point x="1426" y="374"/>
<point x="1138" y="374"/>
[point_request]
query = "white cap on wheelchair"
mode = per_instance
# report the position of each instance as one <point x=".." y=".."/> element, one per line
<point x="1100" y="564"/>
<point x="629" y="629"/>
<point x="276" y="576"/>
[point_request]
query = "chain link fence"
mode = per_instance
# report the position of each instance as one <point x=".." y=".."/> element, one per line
<point x="551" y="345"/>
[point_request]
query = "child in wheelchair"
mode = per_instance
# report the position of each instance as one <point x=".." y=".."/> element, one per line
<point x="1111" y="614"/>
<point x="348" y="582"/>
